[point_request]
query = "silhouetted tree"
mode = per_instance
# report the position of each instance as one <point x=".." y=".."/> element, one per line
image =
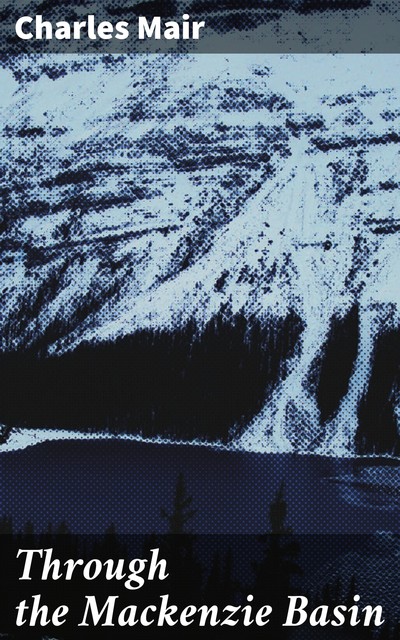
<point x="6" y="525"/>
<point x="29" y="529"/>
<point x="273" y="575"/>
<point x="221" y="587"/>
<point x="278" y="512"/>
<point x="181" y="513"/>
<point x="62" y="528"/>
<point x="185" y="579"/>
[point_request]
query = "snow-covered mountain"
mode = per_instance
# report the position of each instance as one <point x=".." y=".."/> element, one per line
<point x="153" y="193"/>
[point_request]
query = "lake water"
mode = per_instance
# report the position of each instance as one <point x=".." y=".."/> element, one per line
<point x="90" y="484"/>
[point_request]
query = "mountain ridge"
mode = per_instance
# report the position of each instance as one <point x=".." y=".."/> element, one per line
<point x="136" y="200"/>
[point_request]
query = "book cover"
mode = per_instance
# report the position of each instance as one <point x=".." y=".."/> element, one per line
<point x="199" y="321"/>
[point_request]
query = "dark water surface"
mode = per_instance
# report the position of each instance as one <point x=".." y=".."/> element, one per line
<point x="90" y="484"/>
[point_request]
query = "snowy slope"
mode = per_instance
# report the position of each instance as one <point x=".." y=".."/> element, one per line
<point x="131" y="186"/>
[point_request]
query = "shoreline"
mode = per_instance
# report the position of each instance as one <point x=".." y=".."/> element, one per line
<point x="21" y="438"/>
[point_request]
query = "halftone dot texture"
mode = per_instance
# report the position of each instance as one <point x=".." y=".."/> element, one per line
<point x="91" y="484"/>
<point x="295" y="26"/>
<point x="203" y="249"/>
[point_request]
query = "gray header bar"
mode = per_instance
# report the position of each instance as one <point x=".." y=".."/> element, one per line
<point x="230" y="26"/>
